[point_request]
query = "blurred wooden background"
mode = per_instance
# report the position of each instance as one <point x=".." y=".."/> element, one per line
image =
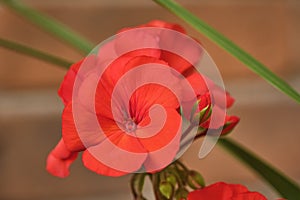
<point x="30" y="110"/>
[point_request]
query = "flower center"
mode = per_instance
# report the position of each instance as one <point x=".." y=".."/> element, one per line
<point x="130" y="126"/>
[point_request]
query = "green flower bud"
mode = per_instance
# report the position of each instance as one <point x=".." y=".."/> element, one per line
<point x="181" y="193"/>
<point x="166" y="189"/>
<point x="195" y="180"/>
<point x="171" y="179"/>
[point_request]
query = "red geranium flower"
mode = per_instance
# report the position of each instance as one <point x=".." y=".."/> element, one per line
<point x="125" y="125"/>
<point x="224" y="191"/>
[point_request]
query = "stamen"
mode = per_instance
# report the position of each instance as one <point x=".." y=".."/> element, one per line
<point x="130" y="125"/>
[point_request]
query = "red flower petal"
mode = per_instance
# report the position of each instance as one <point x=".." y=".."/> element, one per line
<point x="84" y="125"/>
<point x="137" y="43"/>
<point x="249" y="196"/>
<point x="237" y="188"/>
<point x="147" y="96"/>
<point x="118" y="137"/>
<point x="165" y="144"/>
<point x="219" y="94"/>
<point x="163" y="24"/>
<point x="187" y="52"/>
<point x="108" y="81"/>
<point x="223" y="191"/>
<point x="95" y="165"/>
<point x="229" y="100"/>
<point x="118" y="162"/>
<point x="230" y="123"/>
<point x="167" y="134"/>
<point x="59" y="160"/>
<point x="66" y="88"/>
<point x="198" y="82"/>
<point x="220" y="191"/>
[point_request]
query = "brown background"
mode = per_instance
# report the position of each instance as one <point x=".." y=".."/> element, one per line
<point x="30" y="109"/>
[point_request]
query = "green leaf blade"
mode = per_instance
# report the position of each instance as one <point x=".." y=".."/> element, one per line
<point x="286" y="187"/>
<point x="29" y="51"/>
<point x="230" y="47"/>
<point x="50" y="25"/>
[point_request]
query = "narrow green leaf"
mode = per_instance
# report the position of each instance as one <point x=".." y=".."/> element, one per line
<point x="230" y="47"/>
<point x="286" y="187"/>
<point x="50" y="25"/>
<point x="22" y="49"/>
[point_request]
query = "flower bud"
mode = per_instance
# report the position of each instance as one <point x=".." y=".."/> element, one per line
<point x="202" y="112"/>
<point x="181" y="194"/>
<point x="166" y="189"/>
<point x="231" y="122"/>
<point x="171" y="179"/>
<point x="195" y="180"/>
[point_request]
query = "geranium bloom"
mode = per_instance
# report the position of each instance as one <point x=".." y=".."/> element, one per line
<point x="128" y="118"/>
<point x="224" y="191"/>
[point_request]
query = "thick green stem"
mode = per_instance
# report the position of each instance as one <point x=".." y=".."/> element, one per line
<point x="286" y="187"/>
<point x="50" y="25"/>
<point x="230" y="47"/>
<point x="22" y="49"/>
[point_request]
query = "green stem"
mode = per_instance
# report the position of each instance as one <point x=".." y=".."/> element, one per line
<point x="49" y="25"/>
<point x="155" y="184"/>
<point x="133" y="187"/>
<point x="230" y="47"/>
<point x="181" y="165"/>
<point x="180" y="181"/>
<point x="137" y="185"/>
<point x="19" y="48"/>
<point x="286" y="187"/>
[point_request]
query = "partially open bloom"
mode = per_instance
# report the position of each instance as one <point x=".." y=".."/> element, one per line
<point x="129" y="115"/>
<point x="224" y="191"/>
<point x="205" y="107"/>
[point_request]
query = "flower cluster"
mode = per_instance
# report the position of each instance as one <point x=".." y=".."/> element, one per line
<point x="125" y="120"/>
